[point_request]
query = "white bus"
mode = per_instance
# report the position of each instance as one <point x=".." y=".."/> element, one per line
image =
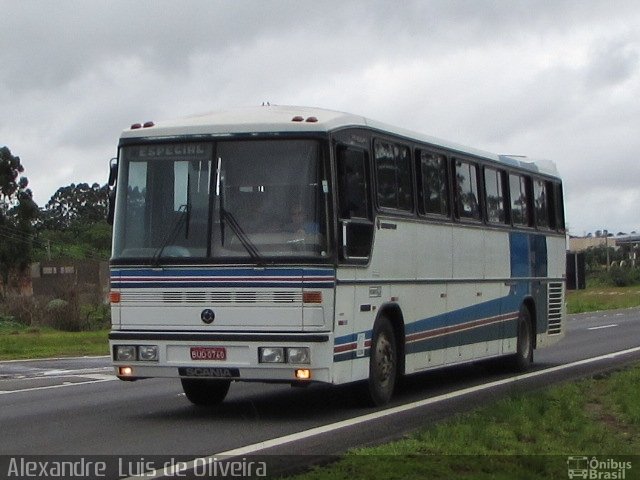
<point x="300" y="245"/>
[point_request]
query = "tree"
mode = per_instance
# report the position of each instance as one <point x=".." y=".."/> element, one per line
<point x="17" y="214"/>
<point x="73" y="222"/>
<point x="75" y="207"/>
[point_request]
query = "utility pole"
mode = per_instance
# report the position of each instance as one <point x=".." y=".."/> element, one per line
<point x="606" y="246"/>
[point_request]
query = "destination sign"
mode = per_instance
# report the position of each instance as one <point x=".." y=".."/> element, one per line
<point x="183" y="151"/>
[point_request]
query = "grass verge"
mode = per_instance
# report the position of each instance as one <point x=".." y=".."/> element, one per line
<point x="20" y="342"/>
<point x="523" y="436"/>
<point x="602" y="298"/>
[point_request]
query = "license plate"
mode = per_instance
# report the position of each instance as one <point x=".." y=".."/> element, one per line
<point x="208" y="353"/>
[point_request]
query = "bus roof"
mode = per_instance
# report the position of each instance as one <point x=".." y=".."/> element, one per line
<point x="292" y="119"/>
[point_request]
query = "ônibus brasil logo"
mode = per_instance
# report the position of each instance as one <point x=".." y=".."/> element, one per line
<point x="597" y="469"/>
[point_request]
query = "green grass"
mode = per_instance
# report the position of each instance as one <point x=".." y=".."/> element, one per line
<point x="523" y="436"/>
<point x="20" y="342"/>
<point x="602" y="298"/>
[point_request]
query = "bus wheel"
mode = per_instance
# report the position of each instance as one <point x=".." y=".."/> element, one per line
<point x="383" y="363"/>
<point x="523" y="358"/>
<point x="205" y="391"/>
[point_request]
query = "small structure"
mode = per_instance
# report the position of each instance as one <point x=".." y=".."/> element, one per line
<point x="633" y="244"/>
<point x="89" y="278"/>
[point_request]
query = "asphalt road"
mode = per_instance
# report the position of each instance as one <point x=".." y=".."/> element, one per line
<point x="76" y="406"/>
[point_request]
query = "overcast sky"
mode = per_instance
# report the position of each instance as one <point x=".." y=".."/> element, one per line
<point x="553" y="79"/>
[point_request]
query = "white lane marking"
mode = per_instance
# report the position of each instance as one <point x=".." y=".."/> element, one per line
<point x="80" y="372"/>
<point x="603" y="326"/>
<point x="54" y="358"/>
<point x="100" y="376"/>
<point x="294" y="437"/>
<point x="66" y="384"/>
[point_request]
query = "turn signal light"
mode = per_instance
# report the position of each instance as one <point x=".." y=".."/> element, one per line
<point x="114" y="297"/>
<point x="312" y="297"/>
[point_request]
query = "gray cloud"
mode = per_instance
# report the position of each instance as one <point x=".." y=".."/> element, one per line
<point x="613" y="63"/>
<point x="552" y="79"/>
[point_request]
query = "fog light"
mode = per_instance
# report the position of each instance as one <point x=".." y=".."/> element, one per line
<point x="298" y="355"/>
<point x="125" y="371"/>
<point x="303" y="374"/>
<point x="148" y="353"/>
<point x="271" y="355"/>
<point x="125" y="353"/>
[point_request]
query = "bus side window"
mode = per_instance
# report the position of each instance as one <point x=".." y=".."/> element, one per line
<point x="353" y="188"/>
<point x="559" y="207"/>
<point x="520" y="211"/>
<point x="495" y="195"/>
<point x="466" y="190"/>
<point x="353" y="204"/>
<point x="433" y="194"/>
<point x="393" y="172"/>
<point x="544" y="204"/>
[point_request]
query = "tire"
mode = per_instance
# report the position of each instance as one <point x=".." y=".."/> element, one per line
<point x="205" y="391"/>
<point x="523" y="358"/>
<point x="383" y="363"/>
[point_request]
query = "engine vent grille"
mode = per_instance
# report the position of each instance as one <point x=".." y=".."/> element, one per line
<point x="555" y="303"/>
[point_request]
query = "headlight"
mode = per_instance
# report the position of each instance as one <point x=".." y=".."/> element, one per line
<point x="148" y="353"/>
<point x="271" y="355"/>
<point x="125" y="353"/>
<point x="298" y="355"/>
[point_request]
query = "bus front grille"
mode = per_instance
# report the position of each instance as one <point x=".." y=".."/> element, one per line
<point x="227" y="297"/>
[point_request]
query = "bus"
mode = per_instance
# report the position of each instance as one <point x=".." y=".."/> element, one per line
<point x="302" y="245"/>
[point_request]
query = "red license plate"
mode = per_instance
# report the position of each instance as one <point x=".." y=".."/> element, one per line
<point x="208" y="353"/>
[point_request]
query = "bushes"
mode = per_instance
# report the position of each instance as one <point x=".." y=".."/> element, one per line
<point x="63" y="315"/>
<point x="623" y="276"/>
<point x="617" y="276"/>
<point x="66" y="313"/>
<point x="25" y="310"/>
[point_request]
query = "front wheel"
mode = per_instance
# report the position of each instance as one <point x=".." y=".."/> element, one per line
<point x="383" y="363"/>
<point x="205" y="391"/>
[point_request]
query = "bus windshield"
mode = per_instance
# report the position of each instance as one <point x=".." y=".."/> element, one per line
<point x="253" y="201"/>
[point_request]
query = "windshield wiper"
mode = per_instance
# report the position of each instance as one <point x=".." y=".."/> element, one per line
<point x="240" y="233"/>
<point x="227" y="217"/>
<point x="173" y="233"/>
<point x="220" y="195"/>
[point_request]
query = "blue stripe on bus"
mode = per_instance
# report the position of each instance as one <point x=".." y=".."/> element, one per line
<point x="224" y="272"/>
<point x="528" y="254"/>
<point x="223" y="278"/>
<point x="246" y="284"/>
<point x="491" y="320"/>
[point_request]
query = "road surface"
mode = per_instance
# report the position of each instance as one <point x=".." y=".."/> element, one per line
<point x="77" y="407"/>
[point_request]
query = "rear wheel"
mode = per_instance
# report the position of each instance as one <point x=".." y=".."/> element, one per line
<point x="201" y="391"/>
<point x="383" y="363"/>
<point x="523" y="358"/>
